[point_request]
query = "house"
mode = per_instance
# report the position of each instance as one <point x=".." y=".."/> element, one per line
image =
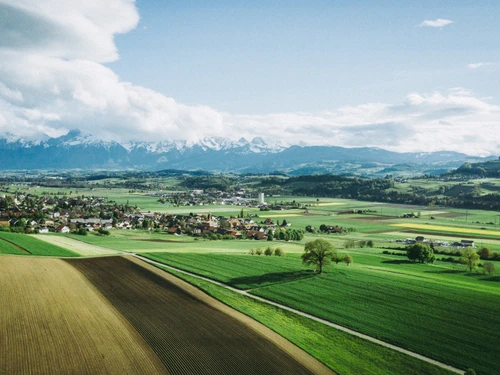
<point x="467" y="243"/>
<point x="43" y="230"/>
<point x="62" y="229"/>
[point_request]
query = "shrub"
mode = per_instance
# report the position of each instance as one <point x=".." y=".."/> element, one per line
<point x="489" y="267"/>
<point x="258" y="251"/>
<point x="279" y="252"/>
<point x="485" y="253"/>
<point x="370" y="243"/>
<point x="252" y="252"/>
<point x="349" y="244"/>
<point x="268" y="251"/>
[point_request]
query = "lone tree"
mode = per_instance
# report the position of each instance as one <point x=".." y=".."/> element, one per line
<point x="470" y="258"/>
<point x="420" y="252"/>
<point x="319" y="253"/>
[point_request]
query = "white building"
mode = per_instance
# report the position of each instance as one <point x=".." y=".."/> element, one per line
<point x="261" y="198"/>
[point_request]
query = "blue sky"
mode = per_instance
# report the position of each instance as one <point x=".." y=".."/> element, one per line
<point x="400" y="75"/>
<point x="264" y="57"/>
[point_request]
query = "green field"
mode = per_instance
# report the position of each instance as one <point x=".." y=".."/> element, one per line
<point x="344" y="353"/>
<point x="8" y="248"/>
<point x="31" y="245"/>
<point x="435" y="310"/>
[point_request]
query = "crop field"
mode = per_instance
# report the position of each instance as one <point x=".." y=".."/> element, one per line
<point x="436" y="310"/>
<point x="441" y="228"/>
<point x="112" y="315"/>
<point x="32" y="245"/>
<point x="8" y="248"/>
<point x="188" y="335"/>
<point x="76" y="246"/>
<point x="52" y="322"/>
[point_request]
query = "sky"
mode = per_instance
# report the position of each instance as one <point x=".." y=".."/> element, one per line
<point x="399" y="75"/>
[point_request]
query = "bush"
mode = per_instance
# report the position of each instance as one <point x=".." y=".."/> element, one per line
<point x="370" y="243"/>
<point x="103" y="232"/>
<point x="258" y="251"/>
<point x="279" y="252"/>
<point x="485" y="253"/>
<point x="349" y="244"/>
<point x="489" y="267"/>
<point x="268" y="251"/>
<point x="252" y="252"/>
<point x="82" y="232"/>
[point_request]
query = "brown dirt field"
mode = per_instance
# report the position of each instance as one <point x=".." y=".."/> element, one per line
<point x="53" y="321"/>
<point x="189" y="335"/>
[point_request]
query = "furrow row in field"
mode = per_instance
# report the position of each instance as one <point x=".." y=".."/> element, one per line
<point x="52" y="321"/>
<point x="188" y="335"/>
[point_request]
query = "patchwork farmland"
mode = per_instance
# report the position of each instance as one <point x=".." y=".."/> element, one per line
<point x="115" y="316"/>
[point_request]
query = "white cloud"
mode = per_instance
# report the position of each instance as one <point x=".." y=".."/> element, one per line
<point x="435" y="23"/>
<point x="52" y="80"/>
<point x="455" y="120"/>
<point x="478" y="65"/>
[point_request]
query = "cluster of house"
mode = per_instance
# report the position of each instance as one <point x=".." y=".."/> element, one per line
<point x="203" y="224"/>
<point x="198" y="197"/>
<point x="422" y="239"/>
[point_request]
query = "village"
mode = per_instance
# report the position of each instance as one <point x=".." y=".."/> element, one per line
<point x="28" y="213"/>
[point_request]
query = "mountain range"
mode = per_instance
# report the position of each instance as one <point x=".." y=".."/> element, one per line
<point x="76" y="150"/>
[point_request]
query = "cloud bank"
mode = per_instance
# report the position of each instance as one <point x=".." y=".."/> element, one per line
<point x="52" y="79"/>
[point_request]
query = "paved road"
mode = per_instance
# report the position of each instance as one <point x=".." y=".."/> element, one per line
<point x="323" y="321"/>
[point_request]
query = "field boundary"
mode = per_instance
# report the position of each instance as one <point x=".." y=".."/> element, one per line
<point x="306" y="315"/>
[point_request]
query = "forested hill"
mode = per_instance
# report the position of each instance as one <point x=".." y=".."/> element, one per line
<point x="489" y="168"/>
<point x="460" y="195"/>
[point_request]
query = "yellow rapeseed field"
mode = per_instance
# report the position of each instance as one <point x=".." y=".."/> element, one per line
<point x="447" y="229"/>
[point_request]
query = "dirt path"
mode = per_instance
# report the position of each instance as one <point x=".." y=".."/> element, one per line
<point x="323" y="321"/>
<point x="78" y="247"/>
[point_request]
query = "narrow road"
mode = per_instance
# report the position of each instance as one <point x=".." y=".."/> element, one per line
<point x="323" y="321"/>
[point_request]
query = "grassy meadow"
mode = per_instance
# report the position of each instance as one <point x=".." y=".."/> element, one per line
<point x="22" y="244"/>
<point x="424" y="308"/>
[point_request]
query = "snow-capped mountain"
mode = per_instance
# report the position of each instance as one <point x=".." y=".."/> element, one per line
<point x="85" y="151"/>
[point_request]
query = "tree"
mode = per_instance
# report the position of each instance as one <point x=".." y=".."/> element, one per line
<point x="420" y="252"/>
<point x="470" y="371"/>
<point x="270" y="236"/>
<point x="347" y="259"/>
<point x="489" y="267"/>
<point x="268" y="251"/>
<point x="470" y="258"/>
<point x="370" y="243"/>
<point x="319" y="253"/>
<point x="485" y="253"/>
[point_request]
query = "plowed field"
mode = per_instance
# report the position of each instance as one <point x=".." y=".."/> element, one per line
<point x="52" y="321"/>
<point x="189" y="335"/>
